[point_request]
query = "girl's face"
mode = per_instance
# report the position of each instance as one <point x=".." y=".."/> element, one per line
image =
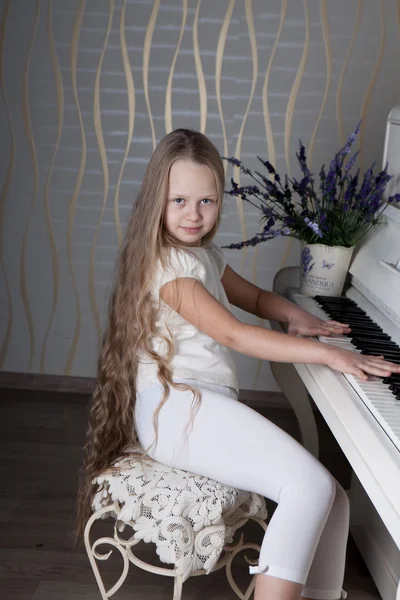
<point x="192" y="203"/>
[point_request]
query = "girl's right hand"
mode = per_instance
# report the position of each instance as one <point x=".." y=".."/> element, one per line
<point x="360" y="365"/>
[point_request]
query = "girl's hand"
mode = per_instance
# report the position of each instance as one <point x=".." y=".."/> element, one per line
<point x="307" y="324"/>
<point x="360" y="365"/>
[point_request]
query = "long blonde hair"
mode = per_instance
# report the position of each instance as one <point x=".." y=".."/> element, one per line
<point x="132" y="314"/>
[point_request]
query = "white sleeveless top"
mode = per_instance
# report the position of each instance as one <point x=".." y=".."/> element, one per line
<point x="197" y="356"/>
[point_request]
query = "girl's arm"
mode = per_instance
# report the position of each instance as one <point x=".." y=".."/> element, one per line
<point x="271" y="306"/>
<point x="197" y="306"/>
<point x="249" y="297"/>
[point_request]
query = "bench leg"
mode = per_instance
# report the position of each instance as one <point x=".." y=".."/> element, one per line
<point x="178" y="584"/>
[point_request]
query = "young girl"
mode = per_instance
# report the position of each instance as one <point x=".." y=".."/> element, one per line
<point x="166" y="377"/>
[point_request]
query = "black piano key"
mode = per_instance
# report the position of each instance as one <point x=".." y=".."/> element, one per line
<point x="361" y="319"/>
<point x="392" y="379"/>
<point x="349" y="312"/>
<point x="361" y="326"/>
<point x="360" y="323"/>
<point x="371" y="336"/>
<point x="339" y="306"/>
<point x="347" y="317"/>
<point x="334" y="300"/>
<point x="375" y="343"/>
<point x="377" y="348"/>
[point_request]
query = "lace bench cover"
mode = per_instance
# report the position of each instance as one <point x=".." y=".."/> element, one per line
<point x="190" y="518"/>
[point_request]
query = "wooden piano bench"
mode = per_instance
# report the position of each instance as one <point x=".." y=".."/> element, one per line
<point x="190" y="519"/>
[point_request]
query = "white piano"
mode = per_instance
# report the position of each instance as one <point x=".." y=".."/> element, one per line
<point x="364" y="417"/>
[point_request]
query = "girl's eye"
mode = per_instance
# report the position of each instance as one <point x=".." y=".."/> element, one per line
<point x="179" y="201"/>
<point x="207" y="200"/>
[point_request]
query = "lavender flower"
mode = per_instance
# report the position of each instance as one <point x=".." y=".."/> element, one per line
<point x="314" y="227"/>
<point x="339" y="210"/>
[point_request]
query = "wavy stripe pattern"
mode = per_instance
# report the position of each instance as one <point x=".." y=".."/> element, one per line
<point x="78" y="183"/>
<point x="49" y="226"/>
<point x="271" y="149"/>
<point x="328" y="56"/>
<point x="218" y="71"/>
<point x="371" y="85"/>
<point x="168" y="95"/>
<point x="103" y="156"/>
<point x="32" y="148"/>
<point x="290" y="112"/>
<point x="130" y="86"/>
<point x="146" y="60"/>
<point x="339" y="110"/>
<point x="7" y="180"/>
<point x="236" y="171"/>
<point x="295" y="87"/>
<point x="199" y="71"/>
<point x="267" y="120"/>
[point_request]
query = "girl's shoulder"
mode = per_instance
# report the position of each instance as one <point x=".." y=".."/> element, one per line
<point x="179" y="263"/>
<point x="218" y="256"/>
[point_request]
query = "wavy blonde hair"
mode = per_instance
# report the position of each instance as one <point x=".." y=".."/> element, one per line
<point x="132" y="314"/>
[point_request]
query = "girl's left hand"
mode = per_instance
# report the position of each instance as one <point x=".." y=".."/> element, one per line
<point x="309" y="325"/>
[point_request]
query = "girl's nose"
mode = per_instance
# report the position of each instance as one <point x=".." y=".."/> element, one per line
<point x="193" y="212"/>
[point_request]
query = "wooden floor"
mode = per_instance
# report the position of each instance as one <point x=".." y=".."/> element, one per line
<point x="41" y="437"/>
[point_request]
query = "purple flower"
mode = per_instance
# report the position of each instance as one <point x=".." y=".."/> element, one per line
<point x="351" y="162"/>
<point x="330" y="184"/>
<point x="268" y="165"/>
<point x="260" y="237"/>
<point x="351" y="187"/>
<point x="341" y="155"/>
<point x="314" y="226"/>
<point x="301" y="156"/>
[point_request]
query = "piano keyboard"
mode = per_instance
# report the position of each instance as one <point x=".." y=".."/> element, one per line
<point x="380" y="395"/>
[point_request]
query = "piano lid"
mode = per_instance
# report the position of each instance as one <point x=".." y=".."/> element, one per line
<point x="375" y="269"/>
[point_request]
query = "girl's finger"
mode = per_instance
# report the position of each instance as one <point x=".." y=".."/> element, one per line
<point x="388" y="366"/>
<point x="320" y="331"/>
<point x="375" y="369"/>
<point x="337" y="323"/>
<point x="336" y="330"/>
<point x="360" y="374"/>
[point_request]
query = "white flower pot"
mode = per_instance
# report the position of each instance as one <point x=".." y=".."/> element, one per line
<point x="323" y="269"/>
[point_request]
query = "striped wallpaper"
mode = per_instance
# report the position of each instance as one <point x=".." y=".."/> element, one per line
<point x="89" y="87"/>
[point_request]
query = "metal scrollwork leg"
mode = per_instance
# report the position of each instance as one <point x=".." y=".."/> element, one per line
<point x="94" y="555"/>
<point x="233" y="552"/>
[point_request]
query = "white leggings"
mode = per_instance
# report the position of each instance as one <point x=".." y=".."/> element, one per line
<point x="306" y="538"/>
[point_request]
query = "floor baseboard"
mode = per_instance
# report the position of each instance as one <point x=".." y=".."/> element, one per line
<point x="85" y="385"/>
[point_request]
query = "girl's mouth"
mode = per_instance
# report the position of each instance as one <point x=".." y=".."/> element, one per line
<point x="191" y="229"/>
